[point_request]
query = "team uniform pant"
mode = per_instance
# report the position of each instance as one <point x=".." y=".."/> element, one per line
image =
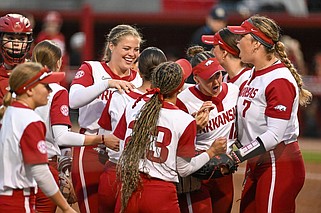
<point x="215" y="195"/>
<point x="86" y="171"/>
<point x="43" y="203"/>
<point x="156" y="196"/>
<point x="108" y="188"/>
<point x="21" y="200"/>
<point x="273" y="180"/>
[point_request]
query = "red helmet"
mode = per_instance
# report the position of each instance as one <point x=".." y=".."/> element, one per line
<point x="15" y="24"/>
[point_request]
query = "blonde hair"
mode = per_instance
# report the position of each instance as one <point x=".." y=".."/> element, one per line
<point x="116" y="34"/>
<point x="47" y="53"/>
<point x="20" y="75"/>
<point x="167" y="77"/>
<point x="272" y="30"/>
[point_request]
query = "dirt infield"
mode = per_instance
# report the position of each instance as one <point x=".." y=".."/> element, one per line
<point x="309" y="199"/>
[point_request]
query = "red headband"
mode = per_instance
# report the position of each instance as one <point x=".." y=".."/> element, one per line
<point x="248" y="27"/>
<point x="43" y="76"/>
<point x="217" y="40"/>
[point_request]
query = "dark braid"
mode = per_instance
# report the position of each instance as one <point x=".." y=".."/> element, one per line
<point x="167" y="77"/>
<point x="197" y="54"/>
<point x="272" y="30"/>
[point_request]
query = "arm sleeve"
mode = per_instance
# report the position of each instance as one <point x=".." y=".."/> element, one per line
<point x="186" y="166"/>
<point x="80" y="96"/>
<point x="265" y="142"/>
<point x="64" y="137"/>
<point x="44" y="178"/>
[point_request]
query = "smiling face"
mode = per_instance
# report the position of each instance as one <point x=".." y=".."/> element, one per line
<point x="211" y="86"/>
<point x="125" y="52"/>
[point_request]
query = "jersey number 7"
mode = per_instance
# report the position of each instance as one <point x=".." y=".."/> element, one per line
<point x="247" y="104"/>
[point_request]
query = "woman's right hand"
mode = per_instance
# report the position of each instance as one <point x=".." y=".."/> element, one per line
<point x="202" y="115"/>
<point x="121" y="85"/>
<point x="112" y="142"/>
<point x="219" y="146"/>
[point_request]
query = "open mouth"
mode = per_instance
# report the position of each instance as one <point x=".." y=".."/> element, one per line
<point x="215" y="88"/>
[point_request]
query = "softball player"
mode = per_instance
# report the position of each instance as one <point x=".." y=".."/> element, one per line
<point x="215" y="194"/>
<point x="23" y="153"/>
<point x="15" y="39"/>
<point x="164" y="136"/>
<point x="227" y="54"/>
<point x="108" y="189"/>
<point x="89" y="92"/>
<point x="268" y="121"/>
<point x="56" y="117"/>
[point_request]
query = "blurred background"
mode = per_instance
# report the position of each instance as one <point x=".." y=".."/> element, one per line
<point x="81" y="26"/>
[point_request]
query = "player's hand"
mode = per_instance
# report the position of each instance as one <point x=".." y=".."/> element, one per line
<point x="202" y="115"/>
<point x="112" y="142"/>
<point x="121" y="85"/>
<point x="219" y="146"/>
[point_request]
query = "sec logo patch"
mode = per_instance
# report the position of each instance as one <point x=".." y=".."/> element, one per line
<point x="42" y="147"/>
<point x="79" y="74"/>
<point x="64" y="109"/>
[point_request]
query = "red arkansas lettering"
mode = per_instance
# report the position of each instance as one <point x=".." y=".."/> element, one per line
<point x="248" y="92"/>
<point x="220" y="120"/>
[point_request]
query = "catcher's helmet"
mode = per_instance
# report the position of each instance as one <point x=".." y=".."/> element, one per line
<point x="12" y="25"/>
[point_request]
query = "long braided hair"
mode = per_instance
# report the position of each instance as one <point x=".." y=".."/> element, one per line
<point x="272" y="30"/>
<point x="165" y="80"/>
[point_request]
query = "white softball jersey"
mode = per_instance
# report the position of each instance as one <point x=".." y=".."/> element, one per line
<point x="90" y="73"/>
<point x="176" y="137"/>
<point x="240" y="78"/>
<point x="112" y="113"/>
<point x="264" y="96"/>
<point x="221" y="118"/>
<point x="22" y="141"/>
<point x="56" y="111"/>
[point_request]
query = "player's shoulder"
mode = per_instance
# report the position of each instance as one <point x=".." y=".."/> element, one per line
<point x="57" y="87"/>
<point x="185" y="93"/>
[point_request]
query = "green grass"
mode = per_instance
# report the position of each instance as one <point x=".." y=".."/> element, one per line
<point x="311" y="157"/>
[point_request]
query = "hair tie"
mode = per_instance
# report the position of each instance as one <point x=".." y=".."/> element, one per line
<point x="152" y="91"/>
<point x="11" y="91"/>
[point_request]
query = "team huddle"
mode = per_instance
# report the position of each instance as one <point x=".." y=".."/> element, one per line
<point x="149" y="141"/>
